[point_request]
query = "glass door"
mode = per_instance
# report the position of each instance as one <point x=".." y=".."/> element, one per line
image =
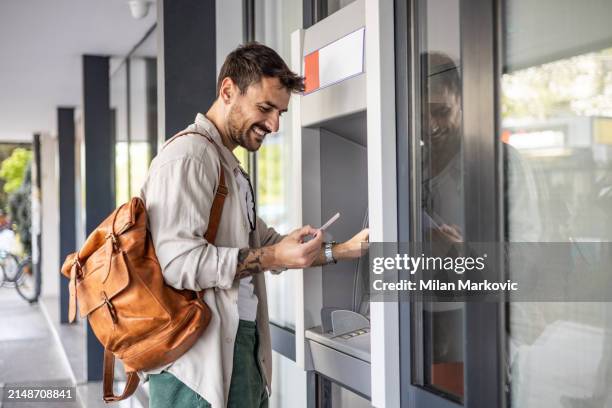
<point x="448" y="181"/>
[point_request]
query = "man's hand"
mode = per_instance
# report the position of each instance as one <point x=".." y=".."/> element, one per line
<point x="448" y="234"/>
<point x="293" y="252"/>
<point x="351" y="249"/>
<point x="290" y="252"/>
<point x="354" y="247"/>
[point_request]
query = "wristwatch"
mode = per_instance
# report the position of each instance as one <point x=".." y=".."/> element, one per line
<point x="329" y="255"/>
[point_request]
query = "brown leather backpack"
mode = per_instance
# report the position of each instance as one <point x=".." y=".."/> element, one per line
<point x="119" y="285"/>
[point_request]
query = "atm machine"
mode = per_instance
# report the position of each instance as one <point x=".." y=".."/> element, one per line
<point x="331" y="166"/>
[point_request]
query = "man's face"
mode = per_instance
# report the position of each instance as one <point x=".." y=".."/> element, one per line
<point x="444" y="127"/>
<point x="257" y="112"/>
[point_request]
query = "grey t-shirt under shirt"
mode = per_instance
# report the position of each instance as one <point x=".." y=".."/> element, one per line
<point x="247" y="300"/>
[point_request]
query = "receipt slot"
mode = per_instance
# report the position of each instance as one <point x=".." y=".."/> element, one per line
<point x="331" y="166"/>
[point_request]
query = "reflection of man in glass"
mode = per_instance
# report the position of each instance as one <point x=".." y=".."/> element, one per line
<point x="442" y="167"/>
<point x="442" y="213"/>
<point x="443" y="203"/>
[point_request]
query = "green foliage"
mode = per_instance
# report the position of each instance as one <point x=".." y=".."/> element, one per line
<point x="13" y="169"/>
<point x="6" y="149"/>
<point x="20" y="209"/>
<point x="578" y="85"/>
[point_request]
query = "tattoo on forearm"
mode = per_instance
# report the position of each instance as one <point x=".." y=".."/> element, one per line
<point x="249" y="262"/>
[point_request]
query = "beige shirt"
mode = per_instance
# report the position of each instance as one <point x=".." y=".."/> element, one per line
<point x="178" y="193"/>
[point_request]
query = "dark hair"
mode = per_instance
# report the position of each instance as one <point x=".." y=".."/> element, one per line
<point x="442" y="69"/>
<point x="249" y="62"/>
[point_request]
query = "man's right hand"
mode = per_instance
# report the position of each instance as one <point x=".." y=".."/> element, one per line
<point x="293" y="252"/>
<point x="290" y="252"/>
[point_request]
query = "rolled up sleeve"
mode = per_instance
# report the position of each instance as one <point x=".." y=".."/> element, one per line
<point x="178" y="196"/>
<point x="268" y="236"/>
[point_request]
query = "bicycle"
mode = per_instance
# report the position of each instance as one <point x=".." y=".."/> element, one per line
<point x="9" y="263"/>
<point x="30" y="280"/>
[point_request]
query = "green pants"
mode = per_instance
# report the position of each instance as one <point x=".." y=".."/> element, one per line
<point x="247" y="389"/>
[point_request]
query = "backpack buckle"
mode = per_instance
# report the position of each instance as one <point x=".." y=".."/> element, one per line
<point x="110" y="307"/>
<point x="222" y="190"/>
<point x="114" y="241"/>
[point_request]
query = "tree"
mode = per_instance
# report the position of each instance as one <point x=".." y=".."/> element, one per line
<point x="20" y="209"/>
<point x="13" y="169"/>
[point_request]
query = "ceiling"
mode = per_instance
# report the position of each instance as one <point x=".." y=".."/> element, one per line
<point x="41" y="44"/>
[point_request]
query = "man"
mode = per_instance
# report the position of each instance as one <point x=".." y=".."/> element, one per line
<point x="230" y="365"/>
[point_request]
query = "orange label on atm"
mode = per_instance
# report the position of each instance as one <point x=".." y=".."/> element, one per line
<point x="311" y="72"/>
<point x="337" y="61"/>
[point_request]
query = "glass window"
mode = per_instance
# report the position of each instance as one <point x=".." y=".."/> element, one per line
<point x="438" y="334"/>
<point x="143" y="128"/>
<point x="119" y="118"/>
<point x="556" y="111"/>
<point x="275" y="21"/>
<point x="133" y="97"/>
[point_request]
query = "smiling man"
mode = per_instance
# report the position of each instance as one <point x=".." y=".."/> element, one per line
<point x="231" y="363"/>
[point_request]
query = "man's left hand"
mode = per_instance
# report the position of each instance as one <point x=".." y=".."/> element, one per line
<point x="354" y="247"/>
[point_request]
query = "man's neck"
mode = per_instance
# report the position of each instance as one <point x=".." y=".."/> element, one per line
<point x="215" y="115"/>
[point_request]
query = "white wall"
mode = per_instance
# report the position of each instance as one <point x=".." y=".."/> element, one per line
<point x="288" y="383"/>
<point x="50" y="215"/>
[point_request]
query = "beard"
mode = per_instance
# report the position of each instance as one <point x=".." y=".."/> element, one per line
<point x="239" y="131"/>
<point x="440" y="149"/>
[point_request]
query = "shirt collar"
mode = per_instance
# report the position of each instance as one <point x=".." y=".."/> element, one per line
<point x="205" y="124"/>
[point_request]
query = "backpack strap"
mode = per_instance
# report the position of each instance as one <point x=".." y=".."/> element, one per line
<point x="107" y="380"/>
<point x="218" y="201"/>
<point x="217" y="209"/>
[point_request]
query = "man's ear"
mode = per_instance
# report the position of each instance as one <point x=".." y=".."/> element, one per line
<point x="227" y="90"/>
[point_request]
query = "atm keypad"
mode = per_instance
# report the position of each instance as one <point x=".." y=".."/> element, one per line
<point x="355" y="333"/>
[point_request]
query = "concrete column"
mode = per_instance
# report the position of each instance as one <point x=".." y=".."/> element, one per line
<point x="67" y="197"/>
<point x="186" y="64"/>
<point x="37" y="258"/>
<point x="50" y="250"/>
<point x="99" y="170"/>
<point x="151" y="103"/>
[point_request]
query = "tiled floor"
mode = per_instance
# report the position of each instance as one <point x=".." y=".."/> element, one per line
<point x="72" y="339"/>
<point x="29" y="354"/>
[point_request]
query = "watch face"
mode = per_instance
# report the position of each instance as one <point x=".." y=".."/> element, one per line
<point x="329" y="255"/>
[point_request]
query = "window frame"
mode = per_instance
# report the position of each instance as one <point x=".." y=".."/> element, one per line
<point x="484" y="322"/>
